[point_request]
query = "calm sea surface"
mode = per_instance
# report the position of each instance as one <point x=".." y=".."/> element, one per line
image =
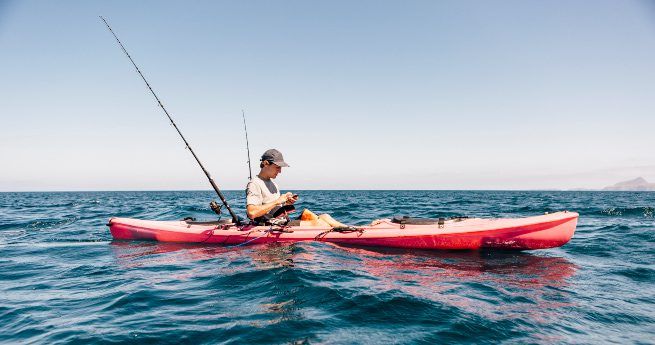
<point x="63" y="279"/>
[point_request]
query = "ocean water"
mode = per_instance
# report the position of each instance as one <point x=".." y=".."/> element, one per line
<point x="63" y="279"/>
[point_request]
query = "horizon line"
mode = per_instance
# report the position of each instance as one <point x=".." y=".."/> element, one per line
<point x="363" y="190"/>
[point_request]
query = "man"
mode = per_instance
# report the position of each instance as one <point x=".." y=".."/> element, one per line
<point x="263" y="195"/>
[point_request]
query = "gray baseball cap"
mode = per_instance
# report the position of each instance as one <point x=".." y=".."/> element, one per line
<point x="274" y="156"/>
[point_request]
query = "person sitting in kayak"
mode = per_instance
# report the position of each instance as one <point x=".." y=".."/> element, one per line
<point x="263" y="197"/>
<point x="262" y="194"/>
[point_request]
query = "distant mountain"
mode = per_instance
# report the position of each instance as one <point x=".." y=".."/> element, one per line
<point x="638" y="184"/>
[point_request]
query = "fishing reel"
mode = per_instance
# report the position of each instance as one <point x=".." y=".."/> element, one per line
<point x="215" y="207"/>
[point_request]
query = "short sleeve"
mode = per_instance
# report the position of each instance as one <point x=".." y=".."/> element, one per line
<point x="254" y="194"/>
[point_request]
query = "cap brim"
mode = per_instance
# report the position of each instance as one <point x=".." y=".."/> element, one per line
<point x="282" y="164"/>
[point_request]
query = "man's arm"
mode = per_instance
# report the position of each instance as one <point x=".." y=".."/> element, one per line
<point x="254" y="211"/>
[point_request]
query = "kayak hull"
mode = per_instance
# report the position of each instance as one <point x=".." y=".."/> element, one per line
<point x="538" y="232"/>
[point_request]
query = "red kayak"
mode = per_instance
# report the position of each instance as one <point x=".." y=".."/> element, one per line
<point x="538" y="232"/>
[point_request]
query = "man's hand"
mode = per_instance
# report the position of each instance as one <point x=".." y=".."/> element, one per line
<point x="254" y="211"/>
<point x="286" y="198"/>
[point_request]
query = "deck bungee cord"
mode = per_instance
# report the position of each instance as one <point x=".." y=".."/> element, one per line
<point x="214" y="206"/>
<point x="265" y="233"/>
<point x="271" y="230"/>
<point x="342" y="230"/>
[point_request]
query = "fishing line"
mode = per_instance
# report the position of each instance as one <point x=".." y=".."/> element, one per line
<point x="243" y="114"/>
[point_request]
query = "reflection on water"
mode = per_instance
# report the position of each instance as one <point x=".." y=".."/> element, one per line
<point x="139" y="253"/>
<point x="513" y="268"/>
<point x="493" y="285"/>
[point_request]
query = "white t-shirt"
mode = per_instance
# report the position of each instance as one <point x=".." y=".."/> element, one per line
<point x="259" y="192"/>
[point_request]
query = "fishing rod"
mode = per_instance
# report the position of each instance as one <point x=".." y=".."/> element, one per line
<point x="235" y="219"/>
<point x="243" y="114"/>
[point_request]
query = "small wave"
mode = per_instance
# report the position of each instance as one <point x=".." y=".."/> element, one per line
<point x="640" y="274"/>
<point x="51" y="223"/>
<point x="647" y="212"/>
<point x="197" y="208"/>
<point x="57" y="244"/>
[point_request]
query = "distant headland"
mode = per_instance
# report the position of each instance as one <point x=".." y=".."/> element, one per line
<point x="638" y="184"/>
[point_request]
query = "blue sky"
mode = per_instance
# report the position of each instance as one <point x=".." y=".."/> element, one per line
<point x="356" y="94"/>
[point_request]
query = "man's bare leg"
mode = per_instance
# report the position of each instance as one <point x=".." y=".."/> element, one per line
<point x="309" y="218"/>
<point x="331" y="221"/>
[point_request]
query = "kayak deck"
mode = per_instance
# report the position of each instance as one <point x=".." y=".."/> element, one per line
<point x="538" y="232"/>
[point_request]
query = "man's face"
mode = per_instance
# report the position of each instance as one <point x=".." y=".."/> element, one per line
<point x="273" y="170"/>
